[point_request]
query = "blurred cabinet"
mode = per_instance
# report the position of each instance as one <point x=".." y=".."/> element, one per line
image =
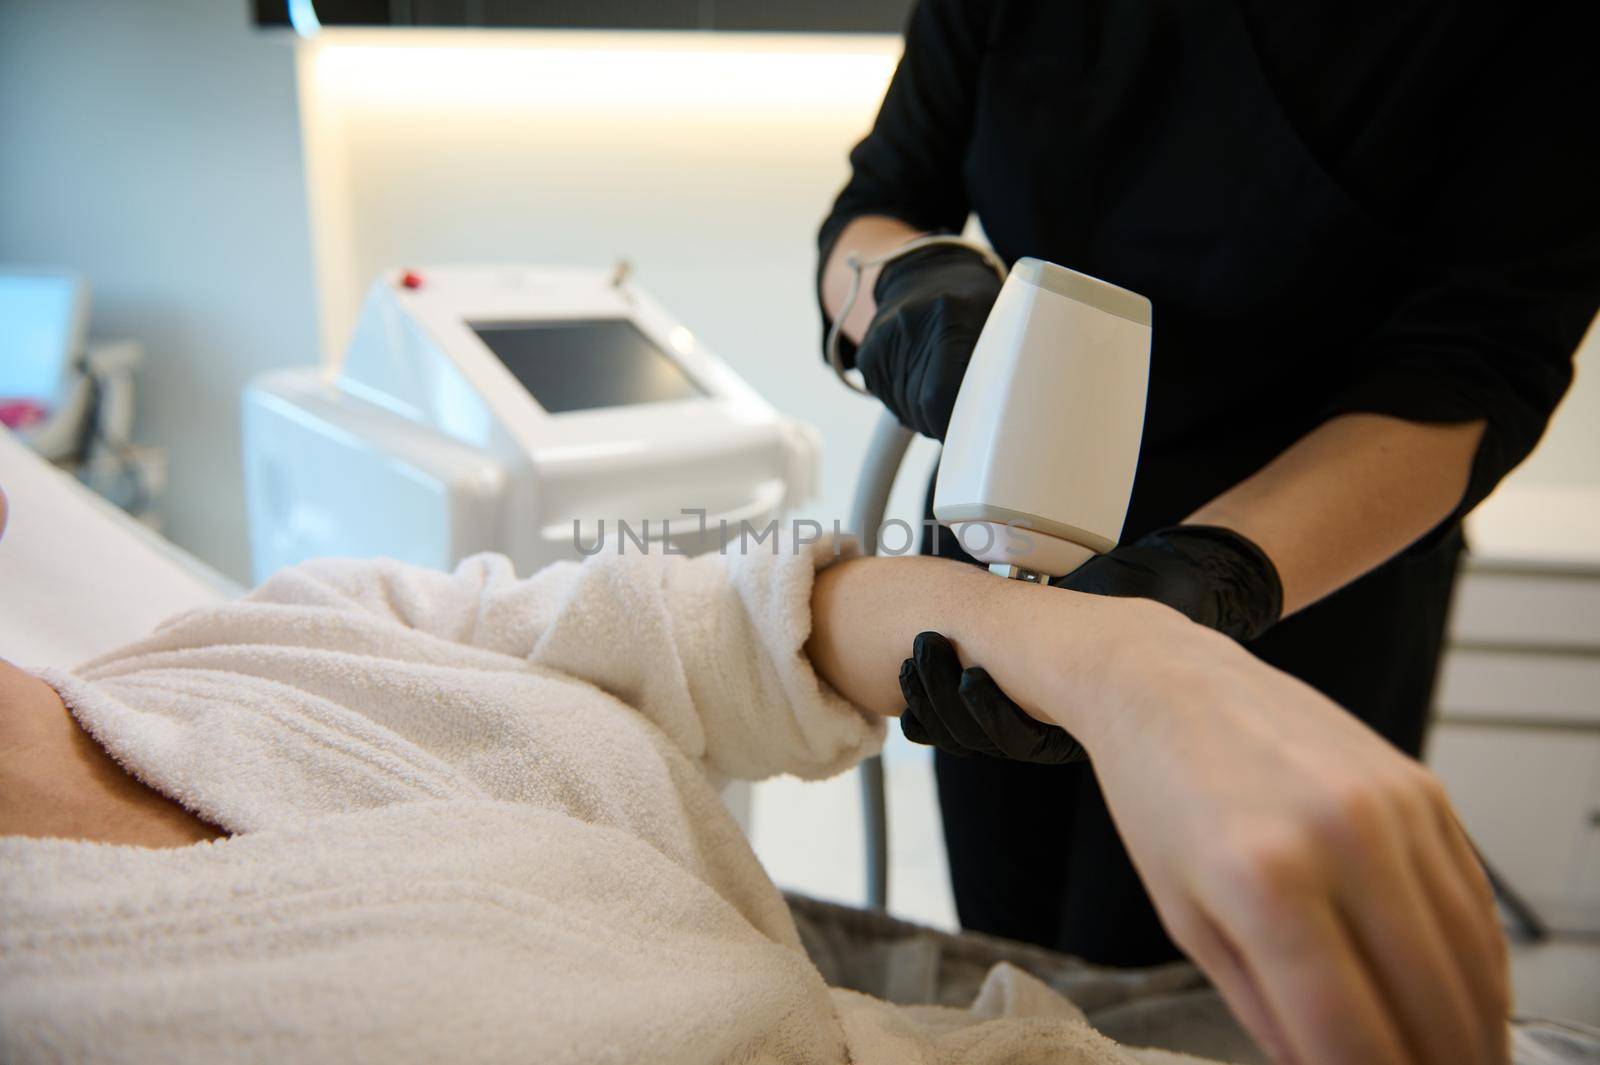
<point x="1517" y="737"/>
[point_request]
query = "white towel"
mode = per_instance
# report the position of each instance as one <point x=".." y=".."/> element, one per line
<point x="473" y="820"/>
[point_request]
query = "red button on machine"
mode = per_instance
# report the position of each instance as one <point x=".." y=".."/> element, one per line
<point x="411" y="279"/>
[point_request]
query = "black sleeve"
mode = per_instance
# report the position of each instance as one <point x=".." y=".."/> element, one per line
<point x="1517" y="214"/>
<point x="909" y="166"/>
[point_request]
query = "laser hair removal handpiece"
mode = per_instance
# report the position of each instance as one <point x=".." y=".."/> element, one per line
<point x="1039" y="460"/>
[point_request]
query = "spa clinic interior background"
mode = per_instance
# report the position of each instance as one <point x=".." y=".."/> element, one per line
<point x="230" y="194"/>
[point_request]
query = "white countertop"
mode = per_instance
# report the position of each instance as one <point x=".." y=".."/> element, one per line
<point x="1544" y="527"/>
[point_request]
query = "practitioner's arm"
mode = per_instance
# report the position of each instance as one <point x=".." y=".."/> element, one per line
<point x="1315" y="873"/>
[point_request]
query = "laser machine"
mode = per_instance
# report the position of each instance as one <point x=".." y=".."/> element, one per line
<point x="525" y="410"/>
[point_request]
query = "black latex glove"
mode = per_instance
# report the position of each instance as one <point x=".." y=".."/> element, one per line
<point x="931" y="307"/>
<point x="1210" y="574"/>
<point x="965" y="712"/>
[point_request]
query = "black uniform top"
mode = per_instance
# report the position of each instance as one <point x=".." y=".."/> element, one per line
<point x="1395" y="211"/>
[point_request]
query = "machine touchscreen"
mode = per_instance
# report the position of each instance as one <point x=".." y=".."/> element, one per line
<point x="584" y="365"/>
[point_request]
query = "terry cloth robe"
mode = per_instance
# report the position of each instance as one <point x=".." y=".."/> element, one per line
<point x="473" y="818"/>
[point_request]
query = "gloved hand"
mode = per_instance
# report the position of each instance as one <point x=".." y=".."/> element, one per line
<point x="1209" y="574"/>
<point x="931" y="307"/>
<point x="965" y="712"/>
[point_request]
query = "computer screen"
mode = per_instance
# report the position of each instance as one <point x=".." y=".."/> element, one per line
<point x="40" y="319"/>
<point x="584" y="365"/>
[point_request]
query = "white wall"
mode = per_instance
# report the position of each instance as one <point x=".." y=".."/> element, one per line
<point x="154" y="147"/>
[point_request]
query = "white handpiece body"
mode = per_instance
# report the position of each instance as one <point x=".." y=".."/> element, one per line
<point x="1039" y="461"/>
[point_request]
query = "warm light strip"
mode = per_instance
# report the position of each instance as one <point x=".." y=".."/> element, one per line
<point x="639" y="72"/>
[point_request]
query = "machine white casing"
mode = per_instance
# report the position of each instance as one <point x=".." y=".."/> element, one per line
<point x="1039" y="460"/>
<point x="421" y="445"/>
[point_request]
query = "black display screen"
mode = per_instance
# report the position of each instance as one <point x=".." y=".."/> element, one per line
<point x="570" y="366"/>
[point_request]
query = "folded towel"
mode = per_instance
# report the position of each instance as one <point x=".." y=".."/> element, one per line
<point x="474" y="820"/>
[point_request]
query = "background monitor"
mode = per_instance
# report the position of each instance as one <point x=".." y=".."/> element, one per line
<point x="41" y="330"/>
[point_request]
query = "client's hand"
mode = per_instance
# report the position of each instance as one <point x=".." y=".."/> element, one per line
<point x="1316" y="874"/>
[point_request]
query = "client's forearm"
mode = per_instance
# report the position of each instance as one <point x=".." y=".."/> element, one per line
<point x="1049" y="649"/>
